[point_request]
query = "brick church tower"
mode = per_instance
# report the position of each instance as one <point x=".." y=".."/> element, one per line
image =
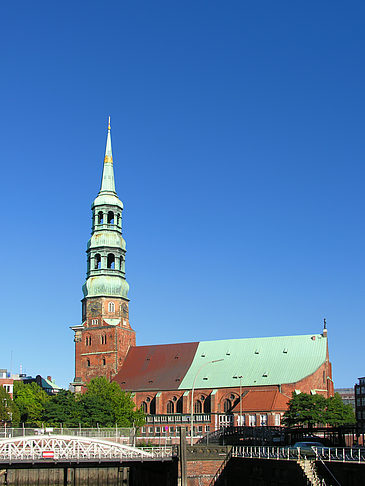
<point x="105" y="335"/>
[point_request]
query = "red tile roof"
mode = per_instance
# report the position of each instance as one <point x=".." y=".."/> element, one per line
<point x="158" y="367"/>
<point x="262" y="401"/>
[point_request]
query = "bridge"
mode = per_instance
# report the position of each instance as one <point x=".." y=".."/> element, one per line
<point x="61" y="450"/>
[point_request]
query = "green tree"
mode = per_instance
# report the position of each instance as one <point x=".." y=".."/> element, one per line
<point x="30" y="400"/>
<point x="305" y="409"/>
<point x="104" y="403"/>
<point x="63" y="408"/>
<point x="337" y="413"/>
<point x="8" y="410"/>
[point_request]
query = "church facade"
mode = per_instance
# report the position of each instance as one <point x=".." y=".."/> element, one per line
<point x="233" y="381"/>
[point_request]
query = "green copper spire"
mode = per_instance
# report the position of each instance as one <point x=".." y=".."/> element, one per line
<point x="107" y="181"/>
<point x="106" y="248"/>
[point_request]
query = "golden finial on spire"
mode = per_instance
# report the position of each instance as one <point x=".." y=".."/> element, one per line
<point x="109" y="123"/>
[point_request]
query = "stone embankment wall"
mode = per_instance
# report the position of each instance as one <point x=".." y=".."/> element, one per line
<point x="138" y="474"/>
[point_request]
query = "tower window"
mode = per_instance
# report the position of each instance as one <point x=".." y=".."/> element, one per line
<point x="88" y="341"/>
<point x="111" y="307"/>
<point x="97" y="261"/>
<point x="170" y="407"/>
<point x="104" y="362"/>
<point x="118" y="219"/>
<point x="88" y="362"/>
<point x="227" y="405"/>
<point x="100" y="217"/>
<point x="103" y="339"/>
<point x="111" y="261"/>
<point x="110" y="217"/>
<point x="94" y="322"/>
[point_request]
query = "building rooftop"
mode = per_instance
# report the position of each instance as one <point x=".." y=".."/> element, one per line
<point x="263" y="400"/>
<point x="260" y="362"/>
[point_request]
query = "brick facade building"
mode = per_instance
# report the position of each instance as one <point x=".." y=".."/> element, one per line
<point x="235" y="381"/>
<point x="7" y="382"/>
<point x="360" y="404"/>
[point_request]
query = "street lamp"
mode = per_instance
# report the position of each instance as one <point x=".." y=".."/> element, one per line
<point x="192" y="397"/>
<point x="240" y="378"/>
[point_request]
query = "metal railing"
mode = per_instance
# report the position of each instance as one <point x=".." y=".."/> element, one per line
<point x="330" y="454"/>
<point x="340" y="454"/>
<point x="265" y="452"/>
<point x="102" y="432"/>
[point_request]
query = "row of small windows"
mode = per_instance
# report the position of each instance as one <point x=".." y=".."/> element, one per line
<point x="110" y="261"/>
<point x="109" y="218"/>
<point x="102" y="339"/>
<point x="201" y="405"/>
<point x="175" y="406"/>
<point x="88" y="362"/>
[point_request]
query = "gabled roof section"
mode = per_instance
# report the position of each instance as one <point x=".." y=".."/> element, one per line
<point x="262" y="401"/>
<point x="260" y="361"/>
<point x="159" y="367"/>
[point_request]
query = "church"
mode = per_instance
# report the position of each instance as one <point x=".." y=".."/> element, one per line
<point x="244" y="381"/>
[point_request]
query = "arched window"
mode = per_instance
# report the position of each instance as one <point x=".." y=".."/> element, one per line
<point x="170" y="407"/>
<point x="104" y="362"/>
<point x="110" y="217"/>
<point x="227" y="405"/>
<point x="88" y="340"/>
<point x="179" y="405"/>
<point x="100" y="217"/>
<point x="88" y="362"/>
<point x="111" y="307"/>
<point x="198" y="407"/>
<point x="103" y="339"/>
<point x="144" y="407"/>
<point x="97" y="261"/>
<point x="111" y="261"/>
<point x="206" y="407"/>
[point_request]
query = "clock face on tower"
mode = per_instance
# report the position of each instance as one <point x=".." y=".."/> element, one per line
<point x="94" y="308"/>
<point x="125" y="310"/>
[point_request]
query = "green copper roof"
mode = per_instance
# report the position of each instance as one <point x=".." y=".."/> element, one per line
<point x="108" y="200"/>
<point x="260" y="361"/>
<point x="110" y="239"/>
<point x="105" y="285"/>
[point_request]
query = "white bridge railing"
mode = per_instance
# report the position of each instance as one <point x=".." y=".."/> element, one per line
<point x="339" y="454"/>
<point x="70" y="448"/>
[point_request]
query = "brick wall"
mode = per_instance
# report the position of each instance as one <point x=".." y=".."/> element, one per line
<point x="101" y="346"/>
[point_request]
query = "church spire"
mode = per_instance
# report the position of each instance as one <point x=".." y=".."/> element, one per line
<point x="107" y="181"/>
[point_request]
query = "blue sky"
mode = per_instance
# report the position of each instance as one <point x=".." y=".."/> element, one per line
<point x="238" y="140"/>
